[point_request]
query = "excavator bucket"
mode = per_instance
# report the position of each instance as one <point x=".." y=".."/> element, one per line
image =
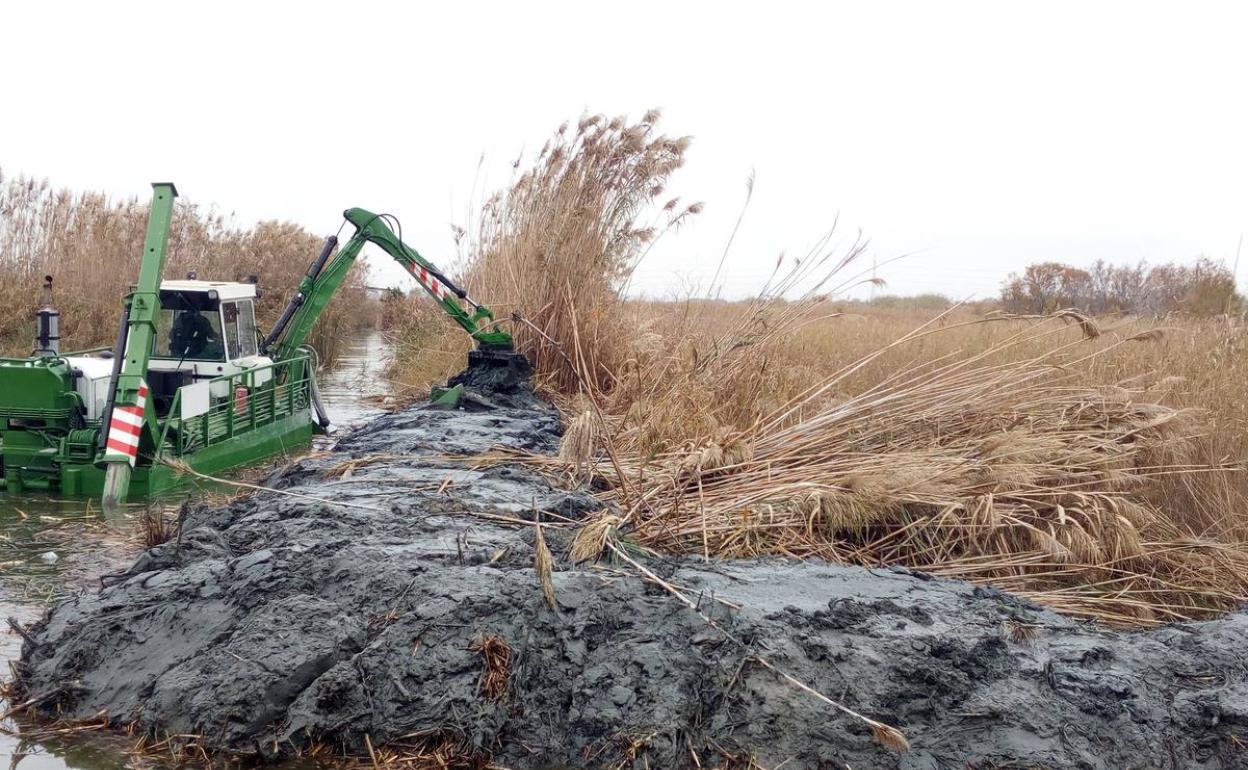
<point x="497" y="371"/>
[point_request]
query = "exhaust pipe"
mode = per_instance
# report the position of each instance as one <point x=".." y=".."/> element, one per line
<point x="47" y="324"/>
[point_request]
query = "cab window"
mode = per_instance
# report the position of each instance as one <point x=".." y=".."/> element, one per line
<point x="229" y="310"/>
<point x="188" y="333"/>
<point x="240" y="328"/>
<point x="248" y="342"/>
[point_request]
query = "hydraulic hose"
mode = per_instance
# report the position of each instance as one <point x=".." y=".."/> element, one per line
<point x="119" y="355"/>
<point x="314" y="270"/>
<point x="314" y="390"/>
<point x="322" y="415"/>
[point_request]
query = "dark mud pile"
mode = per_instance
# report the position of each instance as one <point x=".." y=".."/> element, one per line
<point x="281" y="621"/>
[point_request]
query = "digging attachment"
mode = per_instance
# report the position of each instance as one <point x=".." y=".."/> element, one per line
<point x="494" y="372"/>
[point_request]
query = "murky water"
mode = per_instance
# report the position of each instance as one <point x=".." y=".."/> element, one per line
<point x="356" y="390"/>
<point x="51" y="548"/>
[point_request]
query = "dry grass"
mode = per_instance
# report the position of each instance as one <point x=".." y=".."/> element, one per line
<point x="418" y="752"/>
<point x="92" y="244"/>
<point x="156" y="525"/>
<point x="1090" y="464"/>
<point x="1003" y="464"/>
<point x="496" y="656"/>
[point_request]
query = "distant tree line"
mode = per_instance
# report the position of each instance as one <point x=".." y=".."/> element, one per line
<point x="1202" y="288"/>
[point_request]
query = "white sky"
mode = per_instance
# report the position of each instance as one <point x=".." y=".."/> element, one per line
<point x="977" y="136"/>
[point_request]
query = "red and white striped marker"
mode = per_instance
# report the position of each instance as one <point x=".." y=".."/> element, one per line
<point x="125" y="427"/>
<point x="427" y="280"/>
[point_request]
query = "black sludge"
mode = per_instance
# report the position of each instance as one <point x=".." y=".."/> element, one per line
<point x="279" y="622"/>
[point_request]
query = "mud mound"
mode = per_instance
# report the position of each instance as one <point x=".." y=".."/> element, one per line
<point x="503" y="374"/>
<point x="281" y="621"/>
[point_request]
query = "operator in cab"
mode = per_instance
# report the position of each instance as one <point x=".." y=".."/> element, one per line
<point x="193" y="335"/>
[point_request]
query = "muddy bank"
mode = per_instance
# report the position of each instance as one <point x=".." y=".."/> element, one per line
<point x="279" y="621"/>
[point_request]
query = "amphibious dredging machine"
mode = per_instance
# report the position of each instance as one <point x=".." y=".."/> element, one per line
<point x="190" y="381"/>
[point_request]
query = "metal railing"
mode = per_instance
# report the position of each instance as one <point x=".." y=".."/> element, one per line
<point x="245" y="406"/>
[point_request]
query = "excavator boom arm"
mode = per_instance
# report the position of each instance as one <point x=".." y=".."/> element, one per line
<point x="327" y="274"/>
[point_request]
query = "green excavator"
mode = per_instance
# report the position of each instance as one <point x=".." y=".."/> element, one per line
<point x="190" y="382"/>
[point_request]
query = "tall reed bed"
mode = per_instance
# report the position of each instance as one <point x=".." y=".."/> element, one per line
<point x="560" y="243"/>
<point x="1059" y="457"/>
<point x="92" y="244"/>
<point x="1004" y="465"/>
<point x="556" y="247"/>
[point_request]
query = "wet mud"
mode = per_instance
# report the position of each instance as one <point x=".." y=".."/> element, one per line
<point x="281" y="621"/>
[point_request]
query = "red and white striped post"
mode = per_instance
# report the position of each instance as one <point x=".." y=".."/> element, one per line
<point x="124" y="429"/>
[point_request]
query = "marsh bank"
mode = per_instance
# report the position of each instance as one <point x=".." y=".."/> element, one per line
<point x="349" y="608"/>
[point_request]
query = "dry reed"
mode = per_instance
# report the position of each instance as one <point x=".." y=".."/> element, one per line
<point x="559" y="245"/>
<point x="544" y="565"/>
<point x="92" y="245"/>
<point x="1011" y="472"/>
<point x="1008" y="450"/>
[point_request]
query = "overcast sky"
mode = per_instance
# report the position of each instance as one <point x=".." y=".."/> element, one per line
<point x="976" y="137"/>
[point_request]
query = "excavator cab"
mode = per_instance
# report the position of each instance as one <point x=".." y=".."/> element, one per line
<point x="205" y="329"/>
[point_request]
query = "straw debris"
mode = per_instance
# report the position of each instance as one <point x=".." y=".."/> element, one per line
<point x="496" y="655"/>
<point x="543" y="565"/>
